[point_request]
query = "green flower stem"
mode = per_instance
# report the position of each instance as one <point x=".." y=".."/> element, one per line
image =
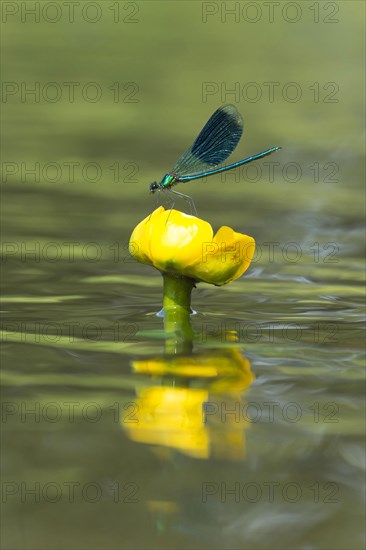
<point x="177" y="311"/>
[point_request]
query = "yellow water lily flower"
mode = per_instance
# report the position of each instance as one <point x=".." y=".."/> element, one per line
<point x="184" y="245"/>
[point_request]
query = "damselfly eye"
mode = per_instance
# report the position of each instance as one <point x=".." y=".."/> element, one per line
<point x="154" y="187"/>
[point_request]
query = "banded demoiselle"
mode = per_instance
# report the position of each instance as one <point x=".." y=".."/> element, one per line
<point x="216" y="141"/>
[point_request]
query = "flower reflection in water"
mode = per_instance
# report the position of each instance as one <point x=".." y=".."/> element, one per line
<point x="188" y="404"/>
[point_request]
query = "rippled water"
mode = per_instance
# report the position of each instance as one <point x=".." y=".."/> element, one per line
<point x="253" y="441"/>
<point x="226" y="453"/>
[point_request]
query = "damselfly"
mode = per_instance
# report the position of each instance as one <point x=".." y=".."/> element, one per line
<point x="216" y="141"/>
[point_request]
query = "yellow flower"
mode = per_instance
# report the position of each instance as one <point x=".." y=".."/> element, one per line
<point x="184" y="245"/>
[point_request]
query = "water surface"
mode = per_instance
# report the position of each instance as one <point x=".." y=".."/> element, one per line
<point x="254" y="441"/>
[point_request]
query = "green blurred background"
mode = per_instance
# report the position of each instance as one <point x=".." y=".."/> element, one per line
<point x="159" y="72"/>
<point x="120" y="90"/>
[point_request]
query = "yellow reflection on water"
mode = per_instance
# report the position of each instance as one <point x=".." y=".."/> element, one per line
<point x="187" y="404"/>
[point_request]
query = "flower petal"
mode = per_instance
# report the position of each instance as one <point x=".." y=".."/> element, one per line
<point x="140" y="240"/>
<point x="225" y="259"/>
<point x="176" y="240"/>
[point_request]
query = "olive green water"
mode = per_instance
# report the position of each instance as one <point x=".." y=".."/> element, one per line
<point x="106" y="444"/>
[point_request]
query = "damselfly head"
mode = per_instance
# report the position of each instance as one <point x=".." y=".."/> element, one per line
<point x="154" y="187"/>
